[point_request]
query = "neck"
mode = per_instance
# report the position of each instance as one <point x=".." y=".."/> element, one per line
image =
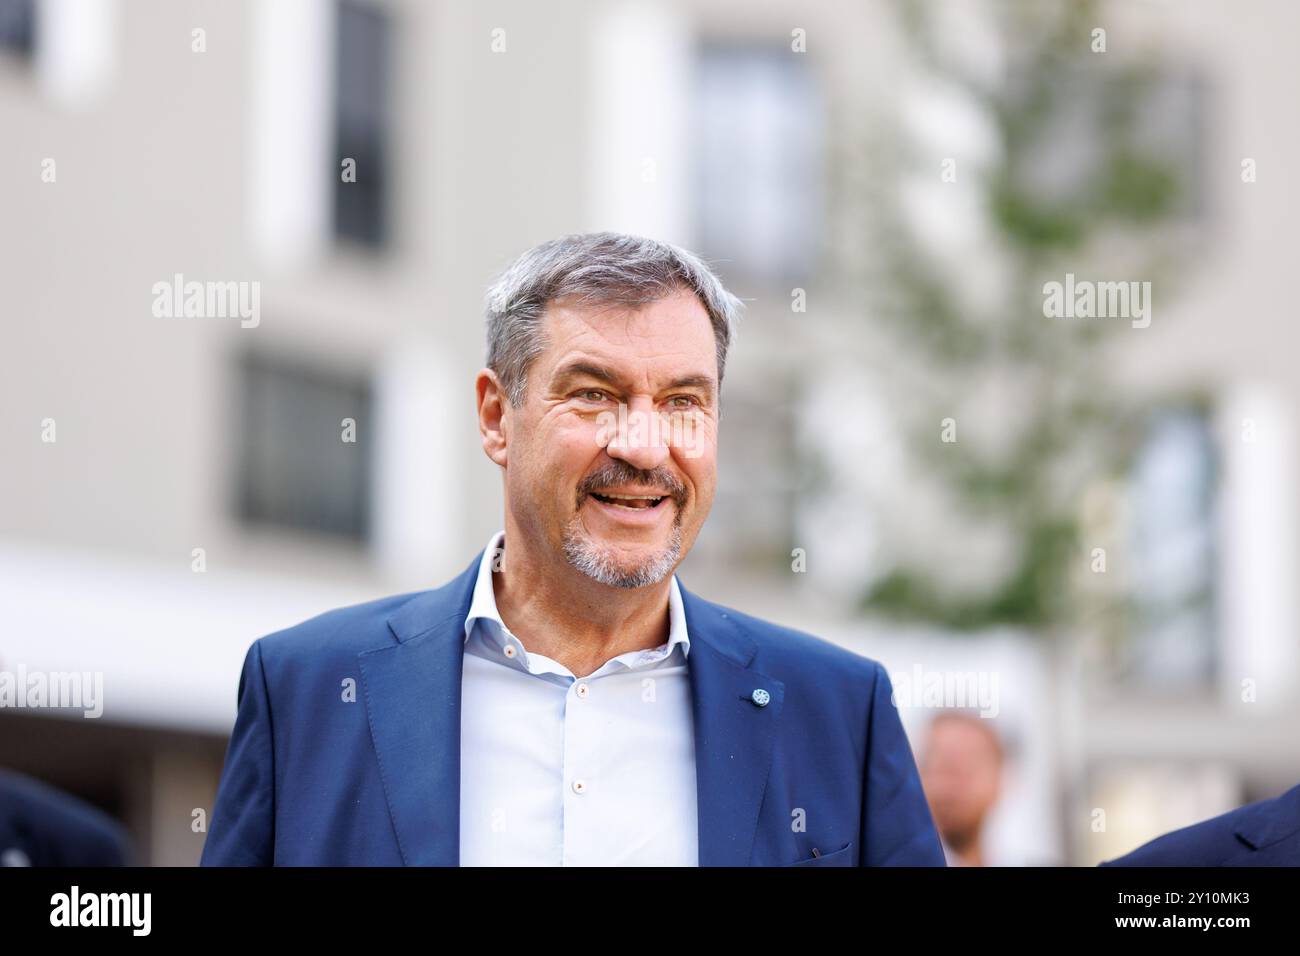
<point x="558" y="611"/>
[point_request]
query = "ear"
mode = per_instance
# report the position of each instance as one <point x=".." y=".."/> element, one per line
<point x="493" y="415"/>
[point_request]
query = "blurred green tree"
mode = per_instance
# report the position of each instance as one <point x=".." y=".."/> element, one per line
<point x="1055" y="103"/>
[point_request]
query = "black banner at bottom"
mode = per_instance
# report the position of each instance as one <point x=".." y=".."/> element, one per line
<point x="334" y="905"/>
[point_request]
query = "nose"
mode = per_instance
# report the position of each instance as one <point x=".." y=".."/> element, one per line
<point x="641" y="438"/>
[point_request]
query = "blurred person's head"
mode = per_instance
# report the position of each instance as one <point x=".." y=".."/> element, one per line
<point x="600" y="402"/>
<point x="961" y="766"/>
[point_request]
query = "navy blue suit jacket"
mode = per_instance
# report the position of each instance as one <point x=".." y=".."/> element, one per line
<point x="311" y="779"/>
<point x="1261" y="834"/>
<point x="41" y="825"/>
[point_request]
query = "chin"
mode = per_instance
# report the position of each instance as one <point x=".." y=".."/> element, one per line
<point x="618" y="565"/>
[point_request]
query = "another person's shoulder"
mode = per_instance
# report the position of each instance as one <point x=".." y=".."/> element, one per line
<point x="1222" y="840"/>
<point x="41" y="825"/>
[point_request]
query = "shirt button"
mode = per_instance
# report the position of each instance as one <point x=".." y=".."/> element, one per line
<point x="582" y="690"/>
<point x="509" y="650"/>
<point x="579" y="786"/>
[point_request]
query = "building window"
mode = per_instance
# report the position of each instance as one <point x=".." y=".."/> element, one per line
<point x="757" y="173"/>
<point x="295" y="468"/>
<point x="1174" y="552"/>
<point x="17" y="26"/>
<point x="361" y="123"/>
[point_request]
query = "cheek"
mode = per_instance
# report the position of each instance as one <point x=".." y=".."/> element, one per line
<point x="574" y="437"/>
<point x="702" y="473"/>
<point x="569" y="449"/>
<point x="707" y="457"/>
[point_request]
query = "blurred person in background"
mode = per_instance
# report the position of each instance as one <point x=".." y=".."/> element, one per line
<point x="961" y="766"/>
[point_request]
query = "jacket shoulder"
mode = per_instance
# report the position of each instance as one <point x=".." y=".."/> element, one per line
<point x="1206" y="843"/>
<point x="1221" y="839"/>
<point x="355" y="628"/>
<point x="350" y="629"/>
<point x="54" y="828"/>
<point x="788" y="648"/>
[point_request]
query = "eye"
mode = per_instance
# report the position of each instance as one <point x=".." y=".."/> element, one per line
<point x="690" y="401"/>
<point x="587" y="395"/>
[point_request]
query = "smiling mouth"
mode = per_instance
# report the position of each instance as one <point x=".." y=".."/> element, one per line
<point x="631" y="502"/>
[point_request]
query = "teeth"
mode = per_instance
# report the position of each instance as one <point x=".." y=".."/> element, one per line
<point x="634" y="502"/>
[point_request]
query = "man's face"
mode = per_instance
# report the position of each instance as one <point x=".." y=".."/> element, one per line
<point x="611" y="458"/>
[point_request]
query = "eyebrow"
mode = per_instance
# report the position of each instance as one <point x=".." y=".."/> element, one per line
<point x="581" y="368"/>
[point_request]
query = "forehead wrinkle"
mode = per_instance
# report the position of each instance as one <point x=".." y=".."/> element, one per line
<point x="594" y="322"/>
<point x="670" y="379"/>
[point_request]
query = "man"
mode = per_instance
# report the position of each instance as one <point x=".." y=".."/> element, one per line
<point x="961" y="771"/>
<point x="1266" y="833"/>
<point x="564" y="700"/>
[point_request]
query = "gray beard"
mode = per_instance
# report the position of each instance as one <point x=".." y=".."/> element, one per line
<point x="596" y="564"/>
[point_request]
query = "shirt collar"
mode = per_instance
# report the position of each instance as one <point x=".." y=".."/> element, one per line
<point x="484" y="602"/>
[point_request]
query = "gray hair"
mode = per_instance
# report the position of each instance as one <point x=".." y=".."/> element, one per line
<point x="599" y="268"/>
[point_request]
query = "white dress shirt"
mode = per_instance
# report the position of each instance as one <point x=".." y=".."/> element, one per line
<point x="562" y="771"/>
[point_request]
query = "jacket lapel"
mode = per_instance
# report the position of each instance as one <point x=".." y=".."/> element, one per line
<point x="412" y="694"/>
<point x="734" y="736"/>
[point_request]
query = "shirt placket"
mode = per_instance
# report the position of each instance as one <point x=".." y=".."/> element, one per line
<point x="583" y="798"/>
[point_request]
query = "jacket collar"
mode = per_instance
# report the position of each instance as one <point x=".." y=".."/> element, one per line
<point x="412" y="690"/>
<point x="483" y="601"/>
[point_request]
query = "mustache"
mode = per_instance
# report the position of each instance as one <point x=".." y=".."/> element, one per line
<point x="621" y="473"/>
